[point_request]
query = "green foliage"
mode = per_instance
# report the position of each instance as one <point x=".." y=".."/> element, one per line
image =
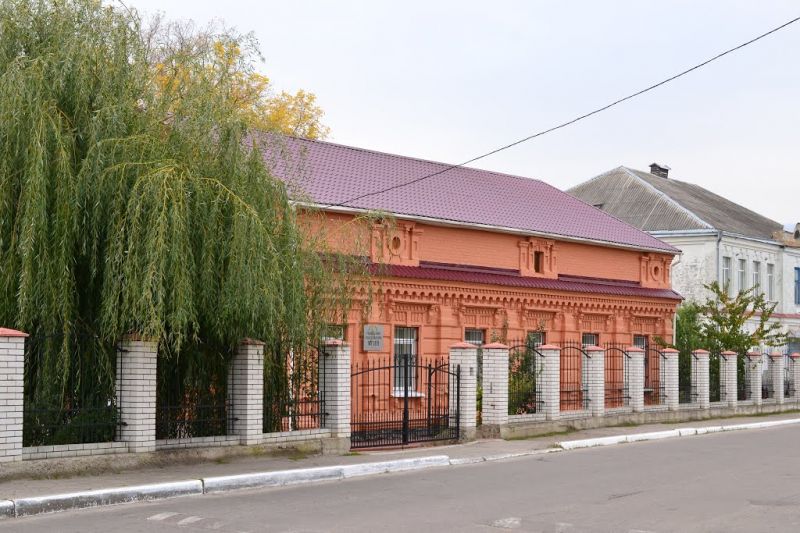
<point x="522" y="377"/>
<point x="128" y="208"/>
<point x="724" y="318"/>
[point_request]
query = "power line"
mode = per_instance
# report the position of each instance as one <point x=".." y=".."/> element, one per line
<point x="569" y="122"/>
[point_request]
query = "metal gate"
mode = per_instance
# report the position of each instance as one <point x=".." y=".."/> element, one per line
<point x="404" y="400"/>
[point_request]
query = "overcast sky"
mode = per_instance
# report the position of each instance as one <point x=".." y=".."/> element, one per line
<point x="447" y="80"/>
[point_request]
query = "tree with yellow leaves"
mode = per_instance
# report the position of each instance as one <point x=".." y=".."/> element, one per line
<point x="229" y="59"/>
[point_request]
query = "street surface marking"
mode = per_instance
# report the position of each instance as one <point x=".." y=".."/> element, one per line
<point x="190" y="520"/>
<point x="512" y="522"/>
<point x="162" y="516"/>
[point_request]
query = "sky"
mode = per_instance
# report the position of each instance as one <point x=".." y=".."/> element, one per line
<point x="449" y="80"/>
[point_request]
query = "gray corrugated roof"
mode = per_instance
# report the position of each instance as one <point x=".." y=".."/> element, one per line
<point x="653" y="203"/>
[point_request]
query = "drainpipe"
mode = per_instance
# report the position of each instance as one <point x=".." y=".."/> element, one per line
<point x="719" y="259"/>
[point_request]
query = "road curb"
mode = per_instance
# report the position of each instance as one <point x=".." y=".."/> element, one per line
<point x="669" y="434"/>
<point x="214" y="485"/>
<point x="95" y="498"/>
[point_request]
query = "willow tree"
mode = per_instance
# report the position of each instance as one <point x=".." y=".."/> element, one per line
<point x="130" y="205"/>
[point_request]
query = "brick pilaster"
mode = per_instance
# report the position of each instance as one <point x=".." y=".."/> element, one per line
<point x="549" y="381"/>
<point x="669" y="374"/>
<point x="246" y="391"/>
<point x="728" y="393"/>
<point x="635" y="376"/>
<point x="700" y="377"/>
<point x="753" y="365"/>
<point x="464" y="402"/>
<point x="495" y="385"/>
<point x="776" y="372"/>
<point x="12" y="370"/>
<point x="596" y="379"/>
<point x="334" y="378"/>
<point x="136" y="392"/>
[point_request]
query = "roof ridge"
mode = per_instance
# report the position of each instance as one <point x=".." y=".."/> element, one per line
<point x="632" y="172"/>
<point x="606" y="212"/>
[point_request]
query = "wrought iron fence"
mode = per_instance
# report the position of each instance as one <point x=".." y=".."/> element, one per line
<point x="574" y="379"/>
<point x="83" y="409"/>
<point x="768" y="385"/>
<point x="714" y="377"/>
<point x="191" y="420"/>
<point x="788" y="376"/>
<point x="687" y="378"/>
<point x="743" y="377"/>
<point x="617" y="376"/>
<point x="294" y="388"/>
<point x="191" y="392"/>
<point x="655" y="392"/>
<point x="524" y="371"/>
<point x="402" y="400"/>
<point x="82" y="425"/>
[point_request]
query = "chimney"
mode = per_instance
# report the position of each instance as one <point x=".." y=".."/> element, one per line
<point x="797" y="231"/>
<point x="661" y="171"/>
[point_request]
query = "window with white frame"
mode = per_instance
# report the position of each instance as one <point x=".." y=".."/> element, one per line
<point x="475" y="336"/>
<point x="726" y="274"/>
<point x="797" y="286"/>
<point x="405" y="357"/>
<point x="535" y="338"/>
<point x="590" y="339"/>
<point x="757" y="277"/>
<point x="641" y="341"/>
<point x="741" y="275"/>
<point x="770" y="282"/>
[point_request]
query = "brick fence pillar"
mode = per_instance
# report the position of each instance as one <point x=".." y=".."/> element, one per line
<point x="12" y="371"/>
<point x="246" y="391"/>
<point x="464" y="402"/>
<point x="596" y="379"/>
<point x="700" y="377"/>
<point x="795" y="358"/>
<point x="728" y="393"/>
<point x="136" y="392"/>
<point x="549" y="381"/>
<point x="753" y="365"/>
<point x="671" y="378"/>
<point x="636" y="357"/>
<point x="776" y="371"/>
<point x="334" y="377"/>
<point x="495" y="385"/>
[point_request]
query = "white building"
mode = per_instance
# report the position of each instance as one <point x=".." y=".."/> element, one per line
<point x="720" y="240"/>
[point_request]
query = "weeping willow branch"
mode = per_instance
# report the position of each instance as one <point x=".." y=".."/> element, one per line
<point x="113" y="219"/>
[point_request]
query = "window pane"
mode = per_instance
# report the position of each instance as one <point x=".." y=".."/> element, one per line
<point x="742" y="273"/>
<point x="475" y="336"/>
<point x="590" y="339"/>
<point x="640" y="341"/>
<point x="535" y="338"/>
<point x="405" y="357"/>
<point x="771" y="282"/>
<point x="726" y="274"/>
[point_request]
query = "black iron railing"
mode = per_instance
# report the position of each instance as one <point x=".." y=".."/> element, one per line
<point x="83" y="425"/>
<point x="524" y="371"/>
<point x="294" y="388"/>
<point x="191" y="420"/>
<point x="574" y="379"/>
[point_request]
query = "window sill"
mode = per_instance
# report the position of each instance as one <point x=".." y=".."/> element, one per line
<point x="400" y="393"/>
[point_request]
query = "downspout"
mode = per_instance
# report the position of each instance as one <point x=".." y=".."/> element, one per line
<point x="675" y="261"/>
<point x="719" y="240"/>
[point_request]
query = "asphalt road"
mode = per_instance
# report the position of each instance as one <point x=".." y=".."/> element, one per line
<point x="738" y="481"/>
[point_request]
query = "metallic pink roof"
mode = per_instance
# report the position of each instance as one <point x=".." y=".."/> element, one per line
<point x="510" y="278"/>
<point x="326" y="173"/>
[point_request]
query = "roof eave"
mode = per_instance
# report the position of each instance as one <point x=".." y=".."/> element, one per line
<point x="669" y="249"/>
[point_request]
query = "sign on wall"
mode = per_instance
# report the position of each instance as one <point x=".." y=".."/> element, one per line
<point x="373" y="338"/>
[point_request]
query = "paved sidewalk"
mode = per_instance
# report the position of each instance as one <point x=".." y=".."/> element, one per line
<point x="22" y="488"/>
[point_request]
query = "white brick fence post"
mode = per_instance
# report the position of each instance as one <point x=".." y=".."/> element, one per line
<point x="700" y="377"/>
<point x="776" y="373"/>
<point x="669" y="358"/>
<point x="464" y="403"/>
<point x="12" y="370"/>
<point x="728" y="393"/>
<point x="753" y="365"/>
<point x="596" y="379"/>
<point x="136" y="392"/>
<point x="246" y="391"/>
<point x="636" y="357"/>
<point x="549" y="381"/>
<point x="334" y="378"/>
<point x="495" y="385"/>
<point x="795" y="357"/>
